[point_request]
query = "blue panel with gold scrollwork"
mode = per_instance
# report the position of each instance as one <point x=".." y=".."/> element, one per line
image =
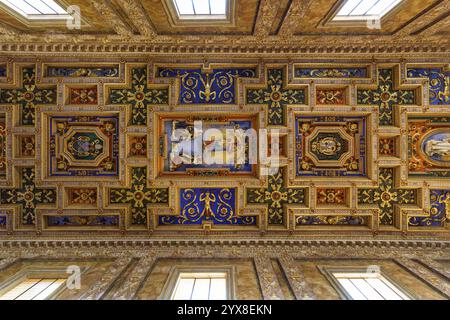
<point x="82" y="221"/>
<point x="439" y="82"/>
<point x="324" y="72"/>
<point x="215" y="205"/>
<point x="2" y="70"/>
<point x="83" y="72"/>
<point x="216" y="87"/>
<point x="331" y="221"/>
<point x="439" y="213"/>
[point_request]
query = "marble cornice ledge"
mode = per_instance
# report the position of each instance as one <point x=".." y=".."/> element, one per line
<point x="214" y="48"/>
<point x="136" y="243"/>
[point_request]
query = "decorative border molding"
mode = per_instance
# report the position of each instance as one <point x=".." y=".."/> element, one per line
<point x="316" y="49"/>
<point x="124" y="243"/>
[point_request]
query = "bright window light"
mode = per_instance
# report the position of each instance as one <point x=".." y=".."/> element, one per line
<point x="201" y="286"/>
<point x="365" y="9"/>
<point x="33" y="289"/>
<point x="201" y="9"/>
<point x="369" y="286"/>
<point x="37" y="9"/>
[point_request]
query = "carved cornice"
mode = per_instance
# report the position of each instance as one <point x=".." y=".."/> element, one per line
<point x="267" y="243"/>
<point x="7" y="45"/>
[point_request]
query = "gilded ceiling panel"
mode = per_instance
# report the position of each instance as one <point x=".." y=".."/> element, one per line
<point x="93" y="146"/>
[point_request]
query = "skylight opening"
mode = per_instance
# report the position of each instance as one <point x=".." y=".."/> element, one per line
<point x="201" y="286"/>
<point x="202" y="9"/>
<point x="37" y="9"/>
<point x="368" y="286"/>
<point x="34" y="289"/>
<point x="365" y="9"/>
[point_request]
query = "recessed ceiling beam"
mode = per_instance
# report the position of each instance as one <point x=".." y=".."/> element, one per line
<point x="266" y="14"/>
<point x="424" y="20"/>
<point x="110" y="16"/>
<point x="295" y="14"/>
<point x="136" y="12"/>
<point x="443" y="24"/>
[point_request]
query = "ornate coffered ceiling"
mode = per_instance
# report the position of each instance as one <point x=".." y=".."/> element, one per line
<point x="85" y="148"/>
<point x="86" y="118"/>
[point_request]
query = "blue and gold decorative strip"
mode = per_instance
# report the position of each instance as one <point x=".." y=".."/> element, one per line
<point x="331" y="221"/>
<point x="331" y="72"/>
<point x="439" y="82"/>
<point x="83" y="71"/>
<point x="439" y="213"/>
<point x="216" y="87"/>
<point x="82" y="221"/>
<point x="203" y="205"/>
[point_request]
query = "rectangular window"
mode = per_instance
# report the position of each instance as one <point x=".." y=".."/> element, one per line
<point x="201" y="286"/>
<point x="37" y="9"/>
<point x="34" y="289"/>
<point x="202" y="9"/>
<point x="365" y="9"/>
<point x="368" y="286"/>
